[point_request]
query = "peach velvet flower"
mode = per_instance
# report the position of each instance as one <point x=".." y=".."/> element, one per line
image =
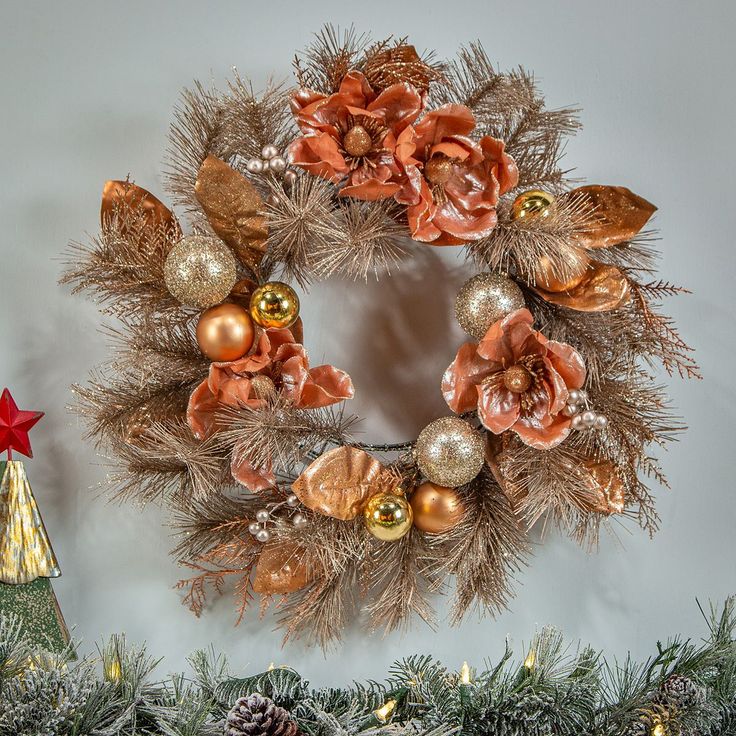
<point x="451" y="183"/>
<point x="280" y="357"/>
<point x="517" y="379"/>
<point x="350" y="136"/>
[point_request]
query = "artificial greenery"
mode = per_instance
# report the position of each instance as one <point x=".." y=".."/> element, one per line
<point x="684" y="689"/>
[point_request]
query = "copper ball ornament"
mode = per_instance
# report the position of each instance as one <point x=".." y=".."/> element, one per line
<point x="534" y="204"/>
<point x="388" y="516"/>
<point x="200" y="271"/>
<point x="549" y="278"/>
<point x="275" y="304"/>
<point x="449" y="452"/>
<point x="436" y="509"/>
<point x="225" y="332"/>
<point x="485" y="299"/>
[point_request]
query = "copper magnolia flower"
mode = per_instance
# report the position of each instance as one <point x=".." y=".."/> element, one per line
<point x="350" y="137"/>
<point x="517" y="379"/>
<point x="279" y="357"/>
<point x="452" y="183"/>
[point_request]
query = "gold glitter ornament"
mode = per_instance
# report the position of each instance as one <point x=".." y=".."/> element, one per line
<point x="533" y="204"/>
<point x="449" y="452"/>
<point x="275" y="304"/>
<point x="485" y="299"/>
<point x="200" y="271"/>
<point x="25" y="549"/>
<point x="388" y="516"/>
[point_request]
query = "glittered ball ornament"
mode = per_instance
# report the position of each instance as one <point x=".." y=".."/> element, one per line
<point x="532" y="205"/>
<point x="225" y="332"/>
<point x="388" y="516"/>
<point x="485" y="299"/>
<point x="274" y="304"/>
<point x="436" y="509"/>
<point x="200" y="271"/>
<point x="449" y="452"/>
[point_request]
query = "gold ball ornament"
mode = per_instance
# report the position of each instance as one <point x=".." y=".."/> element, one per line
<point x="533" y="204"/>
<point x="437" y="509"/>
<point x="225" y="332"/>
<point x="275" y="304"/>
<point x="449" y="452"/>
<point x="199" y="271"/>
<point x="388" y="516"/>
<point x="485" y="299"/>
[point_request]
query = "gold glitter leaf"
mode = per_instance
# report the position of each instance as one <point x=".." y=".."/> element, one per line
<point x="232" y="206"/>
<point x="339" y="482"/>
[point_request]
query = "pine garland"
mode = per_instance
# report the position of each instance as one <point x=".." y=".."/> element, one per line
<point x="684" y="689"/>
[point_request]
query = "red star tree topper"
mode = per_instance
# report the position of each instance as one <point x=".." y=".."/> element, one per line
<point x="15" y="425"/>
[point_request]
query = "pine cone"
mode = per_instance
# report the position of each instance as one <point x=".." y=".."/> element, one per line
<point x="681" y="691"/>
<point x="257" y="715"/>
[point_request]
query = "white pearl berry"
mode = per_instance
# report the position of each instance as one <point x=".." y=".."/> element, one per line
<point x="255" y="166"/>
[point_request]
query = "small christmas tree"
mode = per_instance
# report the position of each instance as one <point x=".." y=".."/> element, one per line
<point x="27" y="560"/>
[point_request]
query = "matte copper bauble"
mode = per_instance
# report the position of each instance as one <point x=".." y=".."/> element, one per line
<point x="533" y="204"/>
<point x="275" y="304"/>
<point x="436" y="509"/>
<point x="225" y="332"/>
<point x="388" y="517"/>
<point x="547" y="277"/>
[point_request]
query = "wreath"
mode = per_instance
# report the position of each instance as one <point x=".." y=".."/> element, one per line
<point x="211" y="407"/>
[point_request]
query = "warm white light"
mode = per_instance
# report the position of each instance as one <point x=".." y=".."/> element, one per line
<point x="385" y="711"/>
<point x="465" y="674"/>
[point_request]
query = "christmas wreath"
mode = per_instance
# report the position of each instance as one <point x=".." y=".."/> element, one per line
<point x="211" y="406"/>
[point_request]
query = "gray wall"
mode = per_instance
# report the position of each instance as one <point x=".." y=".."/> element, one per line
<point x="87" y="92"/>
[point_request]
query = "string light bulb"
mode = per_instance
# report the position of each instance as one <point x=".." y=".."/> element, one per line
<point x="531" y="660"/>
<point x="271" y="667"/>
<point x="659" y="730"/>
<point x="385" y="712"/>
<point x="465" y="674"/>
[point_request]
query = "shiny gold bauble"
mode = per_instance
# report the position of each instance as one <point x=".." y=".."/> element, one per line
<point x="274" y="304"/>
<point x="357" y="141"/>
<point x="387" y="516"/>
<point x="199" y="271"/>
<point x="449" y="452"/>
<point x="485" y="299"/>
<point x="437" y="509"/>
<point x="532" y="204"/>
<point x="225" y="332"/>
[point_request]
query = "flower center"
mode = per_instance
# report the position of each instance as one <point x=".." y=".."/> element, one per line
<point x="357" y="141"/>
<point x="438" y="170"/>
<point x="517" y="379"/>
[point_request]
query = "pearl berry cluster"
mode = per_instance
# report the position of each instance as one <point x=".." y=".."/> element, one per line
<point x="583" y="417"/>
<point x="259" y="528"/>
<point x="271" y="160"/>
